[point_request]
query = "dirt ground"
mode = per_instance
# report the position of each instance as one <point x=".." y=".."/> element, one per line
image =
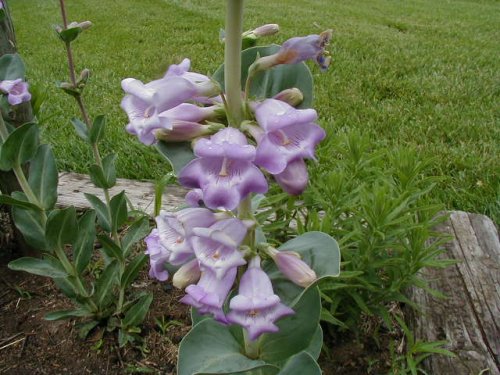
<point x="31" y="345"/>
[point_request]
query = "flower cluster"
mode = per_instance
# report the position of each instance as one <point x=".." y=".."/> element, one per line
<point x="211" y="242"/>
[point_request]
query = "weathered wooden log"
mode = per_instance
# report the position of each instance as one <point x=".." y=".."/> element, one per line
<point x="469" y="317"/>
<point x="141" y="194"/>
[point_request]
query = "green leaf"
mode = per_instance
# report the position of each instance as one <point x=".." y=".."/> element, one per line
<point x="70" y="35"/>
<point x="43" y="177"/>
<point x="319" y="250"/>
<point x="11" y="67"/>
<point x="30" y="223"/>
<point x="110" y="248"/>
<point x="97" y="131"/>
<point x="80" y="128"/>
<point x="177" y="154"/>
<point x="136" y="314"/>
<point x="85" y="328"/>
<point x="314" y="348"/>
<point x="62" y="228"/>
<point x="97" y="176"/>
<point x="211" y="348"/>
<point x="270" y="82"/>
<point x="83" y="245"/>
<point x="101" y="211"/>
<point x="5" y="199"/>
<point x="132" y="270"/>
<point x="295" y="332"/>
<point x="105" y="284"/>
<point x="66" y="285"/>
<point x="20" y="146"/>
<point x="136" y="232"/>
<point x="119" y="213"/>
<point x="301" y="364"/>
<point x="109" y="169"/>
<point x="41" y="267"/>
<point x="65" y="314"/>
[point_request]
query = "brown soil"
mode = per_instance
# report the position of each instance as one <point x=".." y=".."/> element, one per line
<point x="31" y="345"/>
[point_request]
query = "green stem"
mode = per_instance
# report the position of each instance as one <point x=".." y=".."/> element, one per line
<point x="251" y="347"/>
<point x="86" y="117"/>
<point x="232" y="62"/>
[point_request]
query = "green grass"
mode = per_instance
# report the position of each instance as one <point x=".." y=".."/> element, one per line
<point x="422" y="74"/>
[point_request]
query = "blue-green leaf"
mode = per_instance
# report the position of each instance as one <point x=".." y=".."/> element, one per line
<point x="136" y="232"/>
<point x="101" y="211"/>
<point x="136" y="314"/>
<point x="5" y="199"/>
<point x="211" y="348"/>
<point x="11" y="67"/>
<point x="177" y="154"/>
<point x="61" y="228"/>
<point x="42" y="267"/>
<point x="119" y="213"/>
<point x="105" y="284"/>
<point x="270" y="82"/>
<point x="319" y="250"/>
<point x="110" y="248"/>
<point x="133" y="269"/>
<point x="301" y="364"/>
<point x="20" y="146"/>
<point x="65" y="314"/>
<point x="295" y="332"/>
<point x="43" y="177"/>
<point x="30" y="223"/>
<point x="97" y="131"/>
<point x="83" y="245"/>
<point x="80" y="128"/>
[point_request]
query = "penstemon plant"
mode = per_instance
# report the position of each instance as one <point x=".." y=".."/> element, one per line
<point x="99" y="297"/>
<point x="255" y="307"/>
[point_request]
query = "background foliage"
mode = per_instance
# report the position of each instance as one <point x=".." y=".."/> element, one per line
<point x="422" y="75"/>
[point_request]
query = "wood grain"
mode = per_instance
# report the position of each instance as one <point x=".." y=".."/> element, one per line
<point x="469" y="317"/>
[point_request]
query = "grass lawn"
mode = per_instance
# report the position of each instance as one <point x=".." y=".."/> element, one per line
<point x="422" y="74"/>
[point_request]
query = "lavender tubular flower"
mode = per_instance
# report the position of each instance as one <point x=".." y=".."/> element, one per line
<point x="298" y="49"/>
<point x="16" y="90"/>
<point x="158" y="256"/>
<point x="295" y="269"/>
<point x="216" y="247"/>
<point x="290" y="134"/>
<point x="224" y="170"/>
<point x="256" y="307"/>
<point x="175" y="230"/>
<point x="209" y="294"/>
<point x="144" y="102"/>
<point x="294" y="177"/>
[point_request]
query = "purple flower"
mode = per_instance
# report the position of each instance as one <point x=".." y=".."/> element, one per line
<point x="216" y="247"/>
<point x="17" y="91"/>
<point x="208" y="90"/>
<point x="311" y="47"/>
<point x="158" y="256"/>
<point x="144" y="102"/>
<point x="295" y="269"/>
<point x="256" y="307"/>
<point x="224" y="170"/>
<point x="176" y="228"/>
<point x="298" y="49"/>
<point x="209" y="294"/>
<point x="294" y="177"/>
<point x="289" y="134"/>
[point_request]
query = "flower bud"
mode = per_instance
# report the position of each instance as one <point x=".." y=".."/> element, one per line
<point x="186" y="131"/>
<point x="291" y="96"/>
<point x="266" y="30"/>
<point x="290" y="264"/>
<point x="188" y="274"/>
<point x="85" y="25"/>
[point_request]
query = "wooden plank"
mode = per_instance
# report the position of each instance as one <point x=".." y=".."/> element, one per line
<point x="469" y="318"/>
<point x="72" y="187"/>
